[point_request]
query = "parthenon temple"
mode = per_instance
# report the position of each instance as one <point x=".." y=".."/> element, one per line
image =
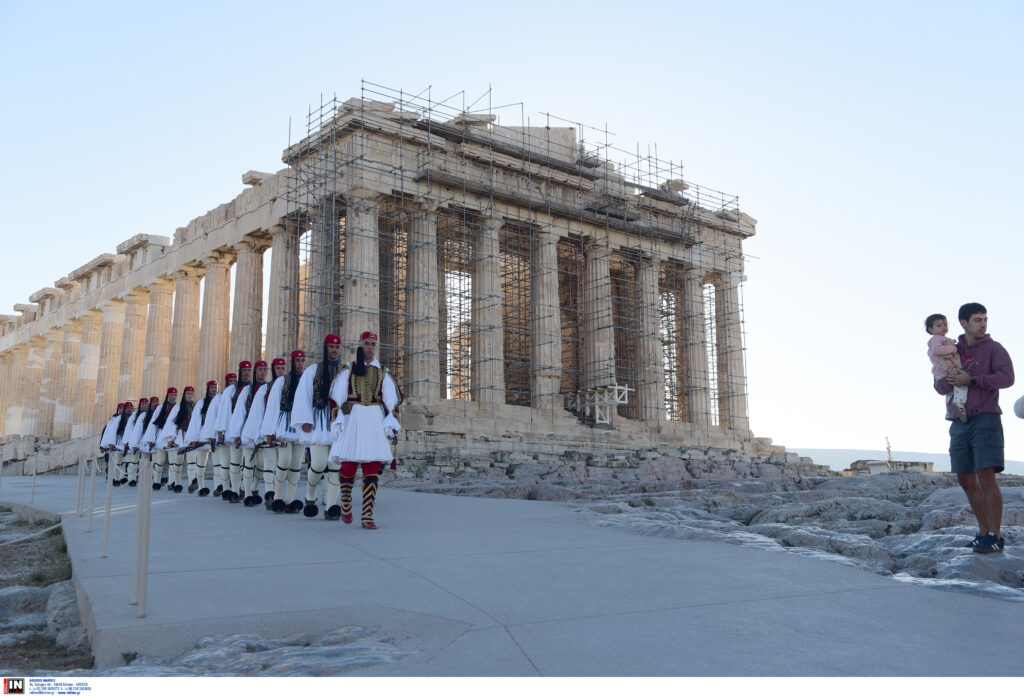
<point x="533" y="287"/>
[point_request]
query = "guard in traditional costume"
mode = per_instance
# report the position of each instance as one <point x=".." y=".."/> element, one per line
<point x="173" y="437"/>
<point x="251" y="456"/>
<point x="222" y="455"/>
<point x="200" y="437"/>
<point x="364" y="426"/>
<point x="264" y="455"/>
<point x="279" y="432"/>
<point x="108" y="439"/>
<point x="156" y="440"/>
<point x="130" y="455"/>
<point x="232" y="452"/>
<point x="316" y="401"/>
<point x="120" y="471"/>
<point x="138" y="444"/>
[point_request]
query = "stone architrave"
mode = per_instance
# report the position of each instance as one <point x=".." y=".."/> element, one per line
<point x="133" y="345"/>
<point x="423" y="386"/>
<point x="184" y="359"/>
<point x="650" y="391"/>
<point x="213" y="334"/>
<point x="361" y="296"/>
<point x="487" y="381"/>
<point x="64" y="410"/>
<point x="546" y="324"/>
<point x="86" y="372"/>
<point x="109" y="370"/>
<point x="247" y="317"/>
<point x="156" y="364"/>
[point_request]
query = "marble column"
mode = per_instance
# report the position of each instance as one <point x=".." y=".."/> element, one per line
<point x="5" y="387"/>
<point x="16" y="390"/>
<point x="598" y="324"/>
<point x="698" y="404"/>
<point x="546" y="324"/>
<point x="732" y="385"/>
<point x="86" y="372"/>
<point x="213" y="334"/>
<point x="487" y="381"/>
<point x="49" y="384"/>
<point x="133" y="346"/>
<point x="64" y="410"/>
<point x="247" y="317"/>
<point x="360" y="308"/>
<point x="184" y="359"/>
<point x="423" y="386"/>
<point x="283" y="302"/>
<point x="33" y="382"/>
<point x="156" y="362"/>
<point x="111" y="339"/>
<point x="650" y="392"/>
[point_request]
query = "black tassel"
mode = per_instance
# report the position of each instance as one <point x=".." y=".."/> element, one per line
<point x="360" y="368"/>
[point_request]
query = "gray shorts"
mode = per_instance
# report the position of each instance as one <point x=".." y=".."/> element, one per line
<point x="976" y="444"/>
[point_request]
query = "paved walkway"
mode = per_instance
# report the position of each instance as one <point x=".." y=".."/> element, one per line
<point x="510" y="587"/>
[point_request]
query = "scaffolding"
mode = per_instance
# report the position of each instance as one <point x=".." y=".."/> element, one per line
<point x="556" y="259"/>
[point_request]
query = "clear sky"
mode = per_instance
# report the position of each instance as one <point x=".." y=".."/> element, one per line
<point x="877" y="143"/>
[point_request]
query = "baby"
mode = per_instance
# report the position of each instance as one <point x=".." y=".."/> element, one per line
<point x="944" y="357"/>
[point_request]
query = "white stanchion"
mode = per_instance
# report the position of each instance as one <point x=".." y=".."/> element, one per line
<point x="106" y="520"/>
<point x="92" y="491"/>
<point x="138" y="537"/>
<point x="1" y="475"/>
<point x="142" y="542"/>
<point x="35" y="465"/>
<point x="80" y="505"/>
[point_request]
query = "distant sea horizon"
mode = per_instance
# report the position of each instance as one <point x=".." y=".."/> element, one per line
<point x="839" y="459"/>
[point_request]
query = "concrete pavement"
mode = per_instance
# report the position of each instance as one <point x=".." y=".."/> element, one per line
<point x="508" y="587"/>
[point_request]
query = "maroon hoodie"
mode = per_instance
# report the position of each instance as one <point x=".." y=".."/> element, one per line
<point x="988" y="363"/>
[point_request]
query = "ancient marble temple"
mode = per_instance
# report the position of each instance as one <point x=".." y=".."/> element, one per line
<point x="534" y="291"/>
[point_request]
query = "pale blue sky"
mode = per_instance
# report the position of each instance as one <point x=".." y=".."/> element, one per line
<point x="877" y="143"/>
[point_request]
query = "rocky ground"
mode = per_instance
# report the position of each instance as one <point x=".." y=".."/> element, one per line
<point x="333" y="654"/>
<point x="912" y="527"/>
<point x="40" y="627"/>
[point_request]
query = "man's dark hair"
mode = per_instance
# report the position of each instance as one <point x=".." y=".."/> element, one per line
<point x="970" y="309"/>
<point x="932" y="318"/>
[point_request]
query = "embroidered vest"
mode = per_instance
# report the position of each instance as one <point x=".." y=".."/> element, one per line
<point x="364" y="390"/>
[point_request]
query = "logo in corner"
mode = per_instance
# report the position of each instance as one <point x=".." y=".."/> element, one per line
<point x="14" y="686"/>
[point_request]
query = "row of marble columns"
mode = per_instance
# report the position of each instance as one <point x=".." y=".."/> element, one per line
<point x="360" y="311"/>
<point x="65" y="383"/>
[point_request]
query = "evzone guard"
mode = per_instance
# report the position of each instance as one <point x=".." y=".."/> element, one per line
<point x="172" y="437"/>
<point x="200" y="439"/>
<point x="130" y="455"/>
<point x="278" y="430"/>
<point x="247" y="408"/>
<point x="316" y="399"/>
<point x="264" y="451"/>
<point x="226" y="458"/>
<point x="108" y="442"/>
<point x="143" y="449"/>
<point x="364" y="424"/>
<point x="158" y="448"/>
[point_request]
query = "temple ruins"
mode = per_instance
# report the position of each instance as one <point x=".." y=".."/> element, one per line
<point x="535" y="289"/>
